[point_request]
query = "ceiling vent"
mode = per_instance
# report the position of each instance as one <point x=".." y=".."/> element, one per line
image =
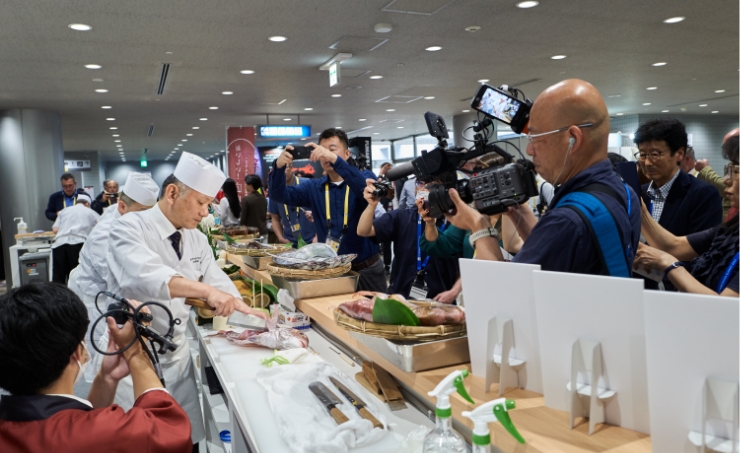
<point x="358" y="43"/>
<point x="163" y="78"/>
<point x="418" y="7"/>
<point x="396" y="99"/>
<point x="150" y="132"/>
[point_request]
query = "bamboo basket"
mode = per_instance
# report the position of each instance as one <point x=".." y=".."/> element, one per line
<point x="259" y="253"/>
<point x="302" y="274"/>
<point x="405" y="333"/>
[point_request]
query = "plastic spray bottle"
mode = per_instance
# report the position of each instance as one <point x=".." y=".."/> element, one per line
<point x="492" y="411"/>
<point x="443" y="439"/>
<point x="22" y="226"/>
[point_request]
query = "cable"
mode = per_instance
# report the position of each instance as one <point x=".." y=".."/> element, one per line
<point x="510" y="144"/>
<point x="554" y="183"/>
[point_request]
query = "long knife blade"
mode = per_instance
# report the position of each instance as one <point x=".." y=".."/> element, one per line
<point x="328" y="400"/>
<point x="356" y="402"/>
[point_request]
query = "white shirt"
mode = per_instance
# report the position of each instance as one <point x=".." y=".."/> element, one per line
<point x="224" y="211"/>
<point x="75" y="224"/>
<point x="93" y="272"/>
<point x="142" y="262"/>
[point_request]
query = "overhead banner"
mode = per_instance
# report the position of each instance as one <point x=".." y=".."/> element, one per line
<point x="242" y="154"/>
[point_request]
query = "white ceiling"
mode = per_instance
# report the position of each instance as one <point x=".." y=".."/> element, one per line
<point x="612" y="44"/>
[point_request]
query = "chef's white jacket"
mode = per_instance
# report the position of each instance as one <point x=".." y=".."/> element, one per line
<point x="92" y="272"/>
<point x="75" y="224"/>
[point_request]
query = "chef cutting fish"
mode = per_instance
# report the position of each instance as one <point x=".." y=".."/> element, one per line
<point x="158" y="255"/>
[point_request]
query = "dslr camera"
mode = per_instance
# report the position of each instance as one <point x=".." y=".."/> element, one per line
<point x="491" y="191"/>
<point x="382" y="187"/>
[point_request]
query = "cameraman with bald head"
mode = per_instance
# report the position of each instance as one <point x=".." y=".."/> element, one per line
<point x="568" y="132"/>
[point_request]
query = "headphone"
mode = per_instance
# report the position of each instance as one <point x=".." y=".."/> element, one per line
<point x="571" y="141"/>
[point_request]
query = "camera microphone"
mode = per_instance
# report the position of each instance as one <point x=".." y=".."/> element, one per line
<point x="400" y="171"/>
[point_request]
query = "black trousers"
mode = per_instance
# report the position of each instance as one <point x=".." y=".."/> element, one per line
<point x="65" y="258"/>
<point x="387" y="254"/>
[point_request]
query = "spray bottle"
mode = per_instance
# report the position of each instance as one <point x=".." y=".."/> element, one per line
<point x="443" y="439"/>
<point x="492" y="411"/>
<point x="22" y="226"/>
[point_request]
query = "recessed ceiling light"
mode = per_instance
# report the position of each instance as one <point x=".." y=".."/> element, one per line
<point x="113" y="128"/>
<point x="106" y="107"/>
<point x="715" y="111"/>
<point x="117" y="141"/>
<point x="557" y="57"/>
<point x="116" y="135"/>
<point x="93" y="66"/>
<point x="213" y="108"/>
<point x="247" y="71"/>
<point x="483" y="81"/>
<point x="227" y="93"/>
<point x="702" y="105"/>
<point x="362" y="119"/>
<point x="277" y="38"/>
<point x="168" y="53"/>
<point x="665" y="111"/>
<point x="433" y="48"/>
<point x="620" y="114"/>
<point x="119" y="146"/>
<point x="184" y="140"/>
<point x="465" y="111"/>
<point x="188" y="135"/>
<point x="429" y="97"/>
<point x="110" y="119"/>
<point x="101" y="90"/>
<point x="472" y="28"/>
<point x="719" y="91"/>
<point x="204" y="119"/>
<point x="390" y="110"/>
<point x="529" y="4"/>
<point x="615" y="95"/>
<point x="645" y="103"/>
<point x="80" y="27"/>
<point x="308" y="109"/>
<point x="287" y="119"/>
<point x="674" y="20"/>
<point x="399" y="127"/>
<point x="376" y="77"/>
<point x="376" y="133"/>
<point x="196" y="127"/>
<point x="336" y="95"/>
<point x="97" y="80"/>
<point x="662" y="63"/>
<point x="651" y="88"/>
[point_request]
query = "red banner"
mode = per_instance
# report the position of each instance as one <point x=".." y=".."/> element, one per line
<point x="242" y="154"/>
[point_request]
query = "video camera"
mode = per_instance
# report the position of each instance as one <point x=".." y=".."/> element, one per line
<point x="492" y="190"/>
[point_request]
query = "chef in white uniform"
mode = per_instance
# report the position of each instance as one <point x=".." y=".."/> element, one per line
<point x="72" y="227"/>
<point x="158" y="255"/>
<point x="91" y="276"/>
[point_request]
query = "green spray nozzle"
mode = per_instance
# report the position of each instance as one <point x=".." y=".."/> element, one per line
<point x="502" y="415"/>
<point x="460" y="387"/>
<point x="489" y="412"/>
<point x="453" y="382"/>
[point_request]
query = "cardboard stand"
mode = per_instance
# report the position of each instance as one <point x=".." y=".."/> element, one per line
<point x="587" y="398"/>
<point x="719" y="403"/>
<point x="502" y="367"/>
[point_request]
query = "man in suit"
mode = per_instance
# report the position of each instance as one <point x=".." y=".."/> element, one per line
<point x="64" y="198"/>
<point x="678" y="202"/>
<point x="108" y="197"/>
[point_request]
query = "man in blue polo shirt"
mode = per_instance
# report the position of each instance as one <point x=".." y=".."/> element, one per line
<point x="569" y="128"/>
<point x="292" y="219"/>
<point x="336" y="201"/>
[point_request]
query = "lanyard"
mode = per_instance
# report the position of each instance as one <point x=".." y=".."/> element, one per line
<point x="74" y="201"/>
<point x="287" y="215"/>
<point x="726" y="277"/>
<point x="328" y="211"/>
<point x="419" y="265"/>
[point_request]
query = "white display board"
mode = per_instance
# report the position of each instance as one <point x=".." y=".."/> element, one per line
<point x="492" y="288"/>
<point x="602" y="309"/>
<point x="689" y="338"/>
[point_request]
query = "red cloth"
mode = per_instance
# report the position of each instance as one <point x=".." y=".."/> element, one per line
<point x="156" y="424"/>
<point x="220" y="195"/>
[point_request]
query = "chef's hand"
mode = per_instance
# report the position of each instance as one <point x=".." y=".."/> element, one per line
<point x="321" y="154"/>
<point x="368" y="193"/>
<point x="247" y="310"/>
<point x="223" y="303"/>
<point x="424" y="213"/>
<point x="465" y="217"/>
<point x="285" y="157"/>
<point x="700" y="164"/>
<point x="651" y="258"/>
<point x="114" y="367"/>
<point x="447" y="297"/>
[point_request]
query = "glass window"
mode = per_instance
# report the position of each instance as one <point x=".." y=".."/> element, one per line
<point x="403" y="149"/>
<point x="425" y="143"/>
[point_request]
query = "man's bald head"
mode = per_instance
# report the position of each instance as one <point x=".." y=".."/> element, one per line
<point x="731" y="134"/>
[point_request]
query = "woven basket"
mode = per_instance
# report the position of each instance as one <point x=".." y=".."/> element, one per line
<point x="391" y="332"/>
<point x="259" y="253"/>
<point x="301" y="274"/>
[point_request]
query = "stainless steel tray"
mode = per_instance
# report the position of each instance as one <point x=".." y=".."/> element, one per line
<point x="256" y="263"/>
<point x="411" y="356"/>
<point x="307" y="289"/>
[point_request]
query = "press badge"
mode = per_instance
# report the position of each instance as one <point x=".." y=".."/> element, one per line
<point x="295" y="227"/>
<point x="419" y="289"/>
<point x="333" y="242"/>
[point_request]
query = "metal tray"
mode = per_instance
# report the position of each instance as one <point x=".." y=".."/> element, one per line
<point x="256" y="263"/>
<point x="411" y="356"/>
<point x="308" y="289"/>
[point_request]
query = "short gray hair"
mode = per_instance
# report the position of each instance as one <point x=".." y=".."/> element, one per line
<point x="690" y="153"/>
<point x="171" y="179"/>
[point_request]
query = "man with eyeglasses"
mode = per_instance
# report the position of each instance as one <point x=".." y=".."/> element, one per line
<point x="569" y="128"/>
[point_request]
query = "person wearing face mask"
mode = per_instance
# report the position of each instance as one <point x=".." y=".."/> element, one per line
<point x="593" y="223"/>
<point x="414" y="273"/>
<point x="43" y="352"/>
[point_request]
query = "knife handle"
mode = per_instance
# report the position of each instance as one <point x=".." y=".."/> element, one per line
<point x="198" y="303"/>
<point x="368" y="416"/>
<point x="338" y="415"/>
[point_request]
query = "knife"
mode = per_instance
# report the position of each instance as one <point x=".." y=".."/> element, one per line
<point x="357" y="403"/>
<point x="237" y="318"/>
<point x="329" y="400"/>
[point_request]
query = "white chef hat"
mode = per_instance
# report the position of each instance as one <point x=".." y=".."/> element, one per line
<point x="83" y="197"/>
<point x="199" y="174"/>
<point x="141" y="188"/>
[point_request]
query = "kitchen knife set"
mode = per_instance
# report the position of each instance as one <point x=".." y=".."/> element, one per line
<point x="330" y="402"/>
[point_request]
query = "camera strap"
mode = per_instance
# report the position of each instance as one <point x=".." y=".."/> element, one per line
<point x="293" y="226"/>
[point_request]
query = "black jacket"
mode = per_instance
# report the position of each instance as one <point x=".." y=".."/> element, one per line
<point x="56" y="204"/>
<point x="98" y="205"/>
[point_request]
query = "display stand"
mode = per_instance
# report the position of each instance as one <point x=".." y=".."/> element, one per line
<point x="586" y="361"/>
<point x="501" y="350"/>
<point x="719" y="402"/>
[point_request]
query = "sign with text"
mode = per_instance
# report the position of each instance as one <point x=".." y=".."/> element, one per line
<point x="242" y="155"/>
<point x="77" y="165"/>
<point x="267" y="131"/>
<point x="334" y="75"/>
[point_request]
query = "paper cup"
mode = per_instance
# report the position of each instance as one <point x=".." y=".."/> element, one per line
<point x="219" y="323"/>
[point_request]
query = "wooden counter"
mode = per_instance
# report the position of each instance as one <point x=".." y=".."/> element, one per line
<point x="545" y="430"/>
<point x="250" y="271"/>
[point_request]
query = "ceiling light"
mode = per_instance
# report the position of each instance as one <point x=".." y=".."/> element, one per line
<point x="338" y="127"/>
<point x="116" y="135"/>
<point x="376" y="77"/>
<point x="529" y="4"/>
<point x="399" y="127"/>
<point x="106" y="107"/>
<point x="247" y="71"/>
<point x="336" y="95"/>
<point x="662" y="63"/>
<point x="674" y="20"/>
<point x="101" y="90"/>
<point x="483" y="81"/>
<point x="93" y="66"/>
<point x="80" y="27"/>
<point x="119" y="146"/>
<point x="715" y="111"/>
<point x="557" y="57"/>
<point x="188" y="135"/>
<point x="287" y="119"/>
<point x="376" y="133"/>
<point x="308" y="109"/>
<point x="277" y="38"/>
<point x="184" y="140"/>
<point x="665" y="111"/>
<point x="472" y="28"/>
<point x="719" y="91"/>
<point x="651" y="88"/>
<point x="433" y="48"/>
<point x="110" y="119"/>
<point x="702" y="105"/>
<point x="113" y="128"/>
<point x="429" y="97"/>
<point x="213" y="108"/>
<point x="465" y="111"/>
<point x="645" y="103"/>
<point x="383" y="28"/>
<point x="362" y="119"/>
<point x="117" y="141"/>
<point x="615" y="95"/>
<point x="196" y="127"/>
<point x="620" y="114"/>
<point x="390" y="110"/>
<point x="227" y="93"/>
<point x="204" y="119"/>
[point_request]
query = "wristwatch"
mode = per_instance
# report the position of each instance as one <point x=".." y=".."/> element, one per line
<point x="486" y="232"/>
<point x="672" y="266"/>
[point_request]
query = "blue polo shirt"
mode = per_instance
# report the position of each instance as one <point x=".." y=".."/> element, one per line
<point x="310" y="194"/>
<point x="307" y="231"/>
<point x="561" y="242"/>
<point x="401" y="226"/>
